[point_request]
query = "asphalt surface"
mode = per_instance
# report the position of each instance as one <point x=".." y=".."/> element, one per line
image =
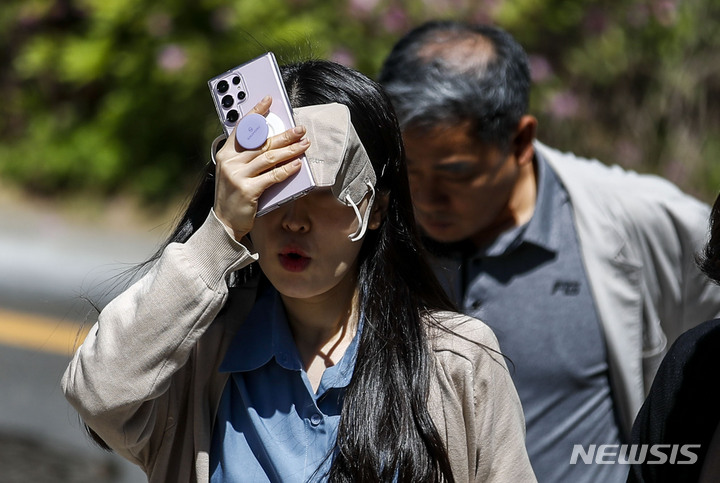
<point x="49" y="264"/>
<point x="50" y="260"/>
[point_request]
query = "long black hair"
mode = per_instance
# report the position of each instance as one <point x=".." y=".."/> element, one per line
<point x="385" y="430"/>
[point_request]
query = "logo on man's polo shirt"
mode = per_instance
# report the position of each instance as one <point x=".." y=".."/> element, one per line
<point x="566" y="287"/>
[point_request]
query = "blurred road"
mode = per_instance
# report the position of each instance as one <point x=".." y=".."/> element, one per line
<point x="47" y="263"/>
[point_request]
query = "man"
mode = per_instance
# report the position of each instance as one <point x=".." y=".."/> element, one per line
<point x="584" y="272"/>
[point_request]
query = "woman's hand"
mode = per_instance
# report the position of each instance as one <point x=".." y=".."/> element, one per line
<point x="242" y="175"/>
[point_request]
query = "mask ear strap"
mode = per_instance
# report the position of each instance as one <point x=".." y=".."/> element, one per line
<point x="362" y="223"/>
<point x="214" y="146"/>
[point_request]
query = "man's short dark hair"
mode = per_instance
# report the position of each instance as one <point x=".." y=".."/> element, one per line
<point x="449" y="72"/>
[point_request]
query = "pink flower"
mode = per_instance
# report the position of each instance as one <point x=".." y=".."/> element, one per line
<point x="564" y="105"/>
<point x="665" y="12"/>
<point x="343" y="56"/>
<point x="395" y="20"/>
<point x="540" y="68"/>
<point x="362" y="8"/>
<point x="172" y="58"/>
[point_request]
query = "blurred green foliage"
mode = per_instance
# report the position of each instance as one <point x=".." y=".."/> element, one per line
<point x="110" y="96"/>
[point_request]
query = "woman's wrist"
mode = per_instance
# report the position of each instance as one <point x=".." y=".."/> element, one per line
<point x="235" y="235"/>
<point x="215" y="251"/>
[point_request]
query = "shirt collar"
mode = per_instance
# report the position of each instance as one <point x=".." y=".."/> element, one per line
<point x="340" y="374"/>
<point x="266" y="334"/>
<point x="542" y="230"/>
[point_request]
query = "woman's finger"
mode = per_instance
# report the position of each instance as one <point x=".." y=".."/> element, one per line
<point x="279" y="149"/>
<point x="277" y="165"/>
<point x="273" y="151"/>
<point x="229" y="149"/>
<point x="278" y="174"/>
<point x="262" y="106"/>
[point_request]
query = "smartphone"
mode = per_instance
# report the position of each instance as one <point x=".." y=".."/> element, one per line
<point x="235" y="93"/>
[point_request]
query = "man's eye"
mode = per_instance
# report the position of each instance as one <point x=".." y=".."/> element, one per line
<point x="457" y="169"/>
<point x="455" y="172"/>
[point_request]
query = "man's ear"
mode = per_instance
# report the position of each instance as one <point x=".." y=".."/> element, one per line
<point x="378" y="210"/>
<point x="522" y="141"/>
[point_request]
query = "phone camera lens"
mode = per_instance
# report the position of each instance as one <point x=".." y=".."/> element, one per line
<point x="222" y="86"/>
<point x="236" y="80"/>
<point x="227" y="101"/>
<point x="241" y="96"/>
<point x="232" y="116"/>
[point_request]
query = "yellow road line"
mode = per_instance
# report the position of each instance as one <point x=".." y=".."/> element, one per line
<point x="40" y="333"/>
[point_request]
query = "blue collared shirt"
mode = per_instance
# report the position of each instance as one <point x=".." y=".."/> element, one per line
<point x="270" y="425"/>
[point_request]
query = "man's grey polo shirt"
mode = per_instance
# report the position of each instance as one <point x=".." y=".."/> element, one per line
<point x="530" y="287"/>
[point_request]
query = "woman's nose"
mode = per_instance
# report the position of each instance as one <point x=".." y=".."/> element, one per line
<point x="295" y="217"/>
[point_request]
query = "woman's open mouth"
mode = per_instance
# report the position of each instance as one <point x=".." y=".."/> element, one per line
<point x="293" y="260"/>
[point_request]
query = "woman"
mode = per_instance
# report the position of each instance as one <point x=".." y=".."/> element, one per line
<point x="339" y="359"/>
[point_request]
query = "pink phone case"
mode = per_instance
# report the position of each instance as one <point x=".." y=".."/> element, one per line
<point x="236" y="92"/>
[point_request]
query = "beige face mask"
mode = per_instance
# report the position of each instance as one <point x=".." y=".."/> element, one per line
<point x="337" y="158"/>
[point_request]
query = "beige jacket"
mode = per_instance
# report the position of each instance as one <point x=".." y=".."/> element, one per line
<point x="146" y="379"/>
<point x="639" y="235"/>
